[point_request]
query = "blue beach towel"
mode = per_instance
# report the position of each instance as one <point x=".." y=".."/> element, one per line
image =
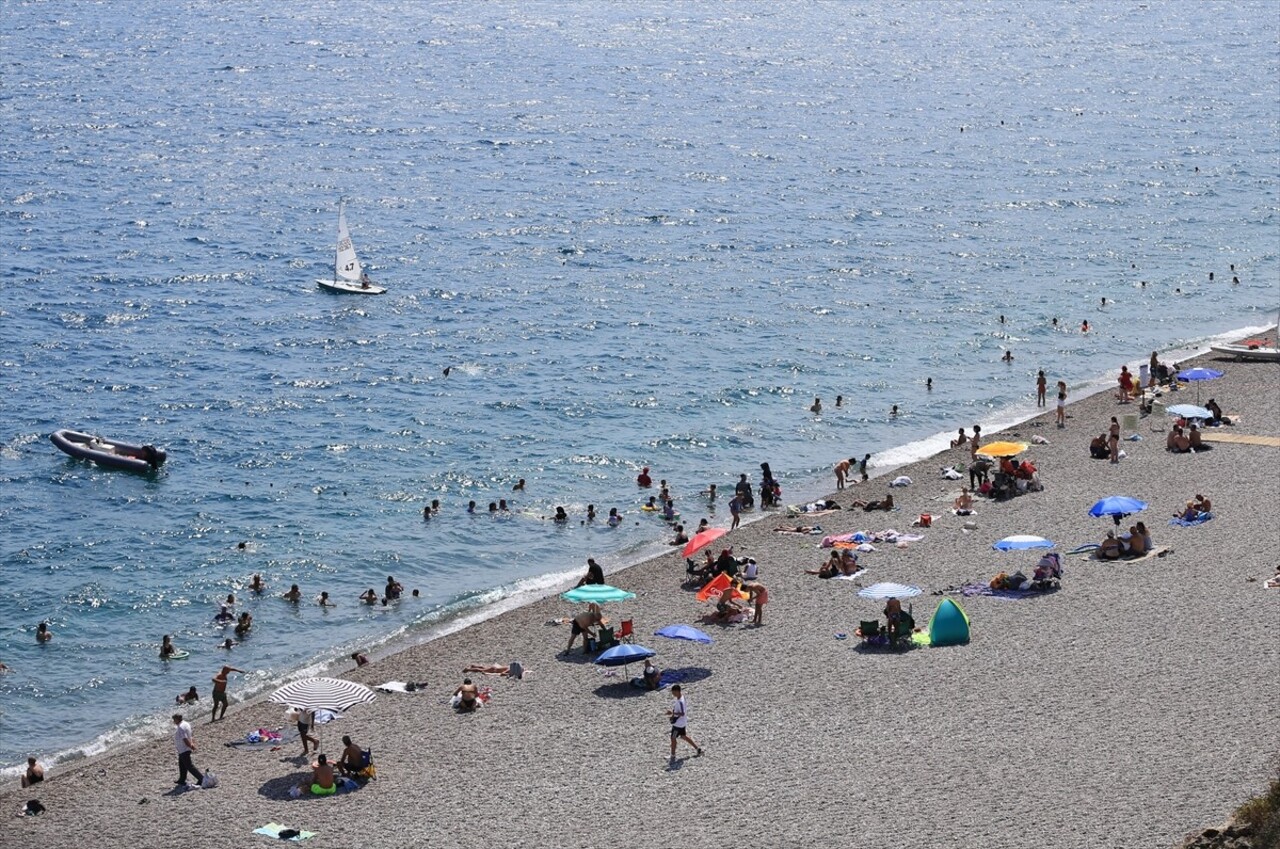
<point x="1191" y="523"/>
<point x="665" y="680"/>
<point x="1082" y="549"/>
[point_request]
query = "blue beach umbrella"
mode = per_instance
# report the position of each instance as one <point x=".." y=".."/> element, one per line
<point x="1188" y="411"/>
<point x="598" y="593"/>
<point x="1117" y="506"/>
<point x="683" y="632"/>
<point x="1021" y="542"/>
<point x="621" y="655"/>
<point x="1199" y="374"/>
<point x="889" y="590"/>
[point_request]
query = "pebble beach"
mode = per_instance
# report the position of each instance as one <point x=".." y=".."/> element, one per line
<point x="1135" y="704"/>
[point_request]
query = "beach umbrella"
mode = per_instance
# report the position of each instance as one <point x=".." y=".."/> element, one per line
<point x="322" y="694"/>
<point x="622" y="654"/>
<point x="1117" y="507"/>
<point x="598" y="593"/>
<point x="702" y="539"/>
<point x="1188" y="411"/>
<point x="1197" y="375"/>
<point x="683" y="632"/>
<point x="1021" y="542"/>
<point x="1003" y="449"/>
<point x="889" y="590"/>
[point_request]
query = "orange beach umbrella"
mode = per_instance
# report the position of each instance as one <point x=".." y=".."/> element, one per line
<point x="1003" y="449"/>
<point x="702" y="539"/>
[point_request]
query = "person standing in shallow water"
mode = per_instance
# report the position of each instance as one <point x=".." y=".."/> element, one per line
<point x="1041" y="385"/>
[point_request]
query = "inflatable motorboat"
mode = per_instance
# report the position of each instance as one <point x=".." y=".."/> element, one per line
<point x="108" y="452"/>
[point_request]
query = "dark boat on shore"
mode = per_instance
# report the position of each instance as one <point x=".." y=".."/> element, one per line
<point x="108" y="452"/>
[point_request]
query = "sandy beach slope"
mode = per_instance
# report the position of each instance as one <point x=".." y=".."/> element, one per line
<point x="1136" y="704"/>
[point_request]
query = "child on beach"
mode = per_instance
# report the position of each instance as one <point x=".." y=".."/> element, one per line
<point x="759" y="596"/>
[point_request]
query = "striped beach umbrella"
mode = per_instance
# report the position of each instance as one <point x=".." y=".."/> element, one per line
<point x="889" y="590"/>
<point x="322" y="694"/>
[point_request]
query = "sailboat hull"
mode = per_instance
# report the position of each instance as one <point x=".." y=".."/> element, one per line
<point x="349" y="288"/>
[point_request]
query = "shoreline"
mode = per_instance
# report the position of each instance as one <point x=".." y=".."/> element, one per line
<point x="772" y="701"/>
<point x="459" y="615"/>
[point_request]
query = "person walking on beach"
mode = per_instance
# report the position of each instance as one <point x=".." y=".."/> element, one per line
<point x="185" y="744"/>
<point x="1062" y="404"/>
<point x="679" y="715"/>
<point x="306" y="720"/>
<point x="220" y="691"/>
<point x="735" y="510"/>
<point x="1040" y="387"/>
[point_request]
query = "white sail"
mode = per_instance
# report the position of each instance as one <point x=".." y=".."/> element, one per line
<point x="346" y="264"/>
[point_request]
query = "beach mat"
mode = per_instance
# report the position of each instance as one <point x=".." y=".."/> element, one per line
<point x="1240" y="438"/>
<point x="847" y="577"/>
<point x="1158" y="551"/>
<point x="265" y="745"/>
<point x="400" y="687"/>
<point x="1190" y="523"/>
<point x="273" y="829"/>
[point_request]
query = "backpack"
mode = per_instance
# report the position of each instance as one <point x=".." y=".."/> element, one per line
<point x="209" y="781"/>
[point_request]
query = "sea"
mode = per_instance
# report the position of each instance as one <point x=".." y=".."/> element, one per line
<point x="614" y="235"/>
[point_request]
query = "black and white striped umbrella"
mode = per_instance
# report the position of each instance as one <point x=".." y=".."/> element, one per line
<point x="323" y="694"/>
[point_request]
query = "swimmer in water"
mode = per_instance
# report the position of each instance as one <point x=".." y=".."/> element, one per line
<point x="471" y="507"/>
<point x="1008" y="356"/>
<point x="294" y="594"/>
<point x="426" y="514"/>
<point x="519" y="487"/>
<point x="591" y="512"/>
<point x="369" y="596"/>
<point x="323" y="601"/>
<point x="502" y="506"/>
<point x="894" y="412"/>
<point x="839" y="400"/>
<point x="257" y="584"/>
<point x="817" y="406"/>
<point x="614" y="519"/>
<point x="928" y="384"/>
<point x="561" y="516"/>
<point x="1084" y="326"/>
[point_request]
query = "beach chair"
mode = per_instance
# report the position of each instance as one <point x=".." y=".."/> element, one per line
<point x="869" y="628"/>
<point x="625" y="632"/>
<point x="605" y="639"/>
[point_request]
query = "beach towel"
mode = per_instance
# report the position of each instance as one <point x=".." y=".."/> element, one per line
<point x="900" y="480"/>
<point x="951" y="474"/>
<point x="847" y="577"/>
<point x="1084" y="549"/>
<point x="400" y="687"/>
<point x="816" y="529"/>
<point x="279" y="832"/>
<point x="1158" y="551"/>
<point x="262" y="740"/>
<point x="1191" y="523"/>
<point x="973" y="589"/>
<point x="1037" y="439"/>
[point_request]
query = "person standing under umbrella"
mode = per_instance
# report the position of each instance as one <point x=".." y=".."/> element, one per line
<point x="185" y="744"/>
<point x="679" y="716"/>
<point x="306" y="720"/>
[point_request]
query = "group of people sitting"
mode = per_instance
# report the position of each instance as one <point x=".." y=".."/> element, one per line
<point x="355" y="764"/>
<point x="1047" y="575"/>
<point x="1182" y="441"/>
<point x="1197" y="509"/>
<point x="725" y="562"/>
<point x="1136" y="543"/>
<point x="839" y="563"/>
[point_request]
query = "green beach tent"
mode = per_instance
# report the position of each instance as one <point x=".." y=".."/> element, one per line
<point x="949" y="625"/>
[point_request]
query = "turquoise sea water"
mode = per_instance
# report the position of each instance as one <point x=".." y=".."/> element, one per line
<point x="636" y="234"/>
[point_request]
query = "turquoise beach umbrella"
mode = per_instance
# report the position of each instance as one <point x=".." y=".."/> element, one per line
<point x="598" y="593"/>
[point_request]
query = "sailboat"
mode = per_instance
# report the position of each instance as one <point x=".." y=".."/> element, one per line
<point x="348" y="277"/>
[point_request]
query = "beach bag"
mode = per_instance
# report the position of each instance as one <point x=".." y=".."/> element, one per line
<point x="34" y="807"/>
<point x="210" y="780"/>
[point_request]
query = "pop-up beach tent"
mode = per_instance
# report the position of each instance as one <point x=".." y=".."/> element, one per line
<point x="949" y="625"/>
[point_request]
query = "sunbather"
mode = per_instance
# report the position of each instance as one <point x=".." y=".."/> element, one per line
<point x="885" y="504"/>
<point x="829" y="569"/>
<point x="1110" y="549"/>
<point x="1134" y="544"/>
<point x="964" y="502"/>
<point x="651" y="676"/>
<point x="1202" y="504"/>
<point x="848" y="562"/>
<point x="466" y="697"/>
<point x="793" y="529"/>
<point x="352" y="761"/>
<point x="1189" y="513"/>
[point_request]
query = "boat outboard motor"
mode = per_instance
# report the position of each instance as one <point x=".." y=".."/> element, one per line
<point x="153" y="456"/>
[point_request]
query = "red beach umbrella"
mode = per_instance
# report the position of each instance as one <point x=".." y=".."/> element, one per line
<point x="702" y="539"/>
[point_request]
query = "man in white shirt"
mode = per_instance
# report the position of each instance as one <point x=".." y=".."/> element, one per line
<point x="679" y="723"/>
<point x="185" y="744"/>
